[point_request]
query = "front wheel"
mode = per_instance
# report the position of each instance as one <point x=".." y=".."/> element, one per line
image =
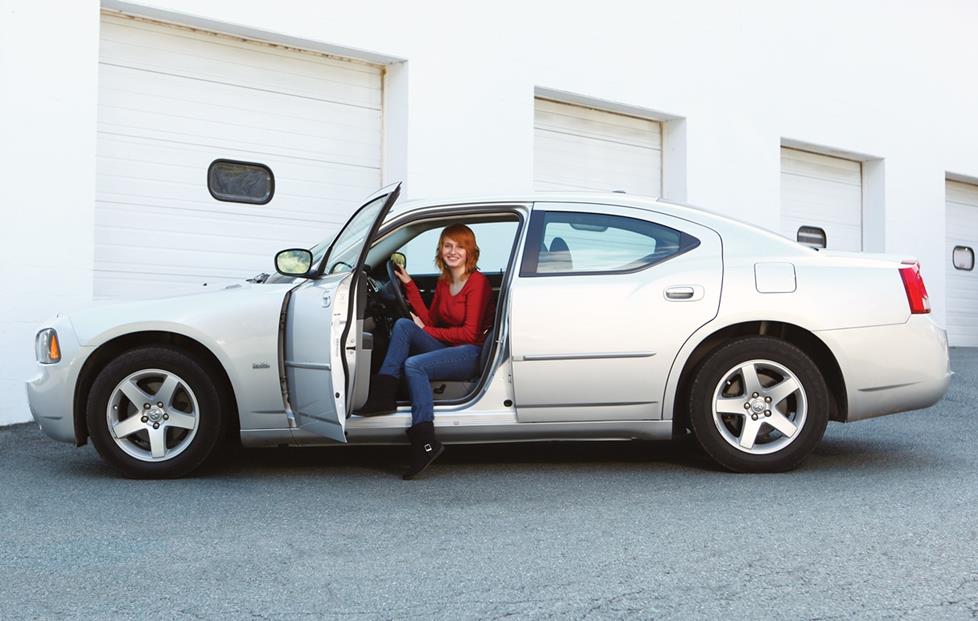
<point x="154" y="412"/>
<point x="759" y="404"/>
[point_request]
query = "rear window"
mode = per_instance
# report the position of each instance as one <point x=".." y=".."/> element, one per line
<point x="564" y="243"/>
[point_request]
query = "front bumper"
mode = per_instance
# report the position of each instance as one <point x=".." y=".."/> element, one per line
<point x="51" y="392"/>
<point x="894" y="368"/>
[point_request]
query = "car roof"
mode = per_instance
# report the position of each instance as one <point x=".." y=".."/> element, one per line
<point x="718" y="221"/>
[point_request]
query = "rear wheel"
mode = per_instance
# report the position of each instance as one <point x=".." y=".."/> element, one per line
<point x="154" y="412"/>
<point x="759" y="404"/>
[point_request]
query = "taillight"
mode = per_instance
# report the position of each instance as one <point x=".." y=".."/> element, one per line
<point x="913" y="282"/>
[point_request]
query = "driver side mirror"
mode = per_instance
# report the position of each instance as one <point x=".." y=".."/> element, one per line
<point x="293" y="262"/>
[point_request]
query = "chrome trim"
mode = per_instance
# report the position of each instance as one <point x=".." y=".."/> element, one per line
<point x="597" y="356"/>
<point x="308" y="365"/>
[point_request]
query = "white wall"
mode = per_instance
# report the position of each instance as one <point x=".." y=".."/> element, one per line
<point x="888" y="80"/>
<point x="48" y="74"/>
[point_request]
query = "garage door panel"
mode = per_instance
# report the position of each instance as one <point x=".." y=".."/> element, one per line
<point x="961" y="218"/>
<point x="824" y="192"/>
<point x="178" y="103"/>
<point x="830" y="202"/>
<point x="171" y="102"/>
<point x="578" y="148"/>
<point x="220" y="59"/>
<point x="836" y="169"/>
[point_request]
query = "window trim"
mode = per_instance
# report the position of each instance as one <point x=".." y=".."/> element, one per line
<point x="534" y="237"/>
<point x="271" y="181"/>
<point x="961" y="269"/>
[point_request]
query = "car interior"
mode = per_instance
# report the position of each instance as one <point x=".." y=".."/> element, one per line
<point x="496" y="235"/>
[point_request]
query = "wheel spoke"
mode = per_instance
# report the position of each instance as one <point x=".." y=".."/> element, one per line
<point x="782" y="391"/>
<point x="782" y="424"/>
<point x="157" y="441"/>
<point x="166" y="391"/>
<point x="731" y="406"/>
<point x="135" y="394"/>
<point x="751" y="383"/>
<point x="129" y="426"/>
<point x="748" y="435"/>
<point x="183" y="421"/>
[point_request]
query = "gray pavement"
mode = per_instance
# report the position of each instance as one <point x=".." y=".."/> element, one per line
<point x="880" y="523"/>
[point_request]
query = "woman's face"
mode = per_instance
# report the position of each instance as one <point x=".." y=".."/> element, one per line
<point x="452" y="253"/>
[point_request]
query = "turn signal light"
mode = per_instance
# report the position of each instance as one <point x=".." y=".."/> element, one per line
<point x="913" y="283"/>
<point x="46" y="347"/>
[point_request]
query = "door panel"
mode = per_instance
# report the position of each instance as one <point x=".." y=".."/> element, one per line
<point x="316" y="318"/>
<point x="599" y="346"/>
<point x="324" y="342"/>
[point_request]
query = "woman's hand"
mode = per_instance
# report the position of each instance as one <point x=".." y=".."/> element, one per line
<point x="417" y="321"/>
<point x="401" y="274"/>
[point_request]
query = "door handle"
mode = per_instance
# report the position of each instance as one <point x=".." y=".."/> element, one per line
<point x="684" y="293"/>
<point x="326" y="300"/>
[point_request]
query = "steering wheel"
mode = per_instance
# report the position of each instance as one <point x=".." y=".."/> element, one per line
<point x="400" y="304"/>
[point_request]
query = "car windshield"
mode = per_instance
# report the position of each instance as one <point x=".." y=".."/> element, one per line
<point x="348" y="244"/>
<point x="347" y="247"/>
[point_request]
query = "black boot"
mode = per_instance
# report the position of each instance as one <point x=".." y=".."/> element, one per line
<point x="382" y="398"/>
<point x="425" y="449"/>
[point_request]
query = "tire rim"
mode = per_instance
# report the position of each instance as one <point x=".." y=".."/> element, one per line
<point x="759" y="407"/>
<point x="153" y="415"/>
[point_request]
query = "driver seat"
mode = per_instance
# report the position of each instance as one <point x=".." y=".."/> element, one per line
<point x="449" y="390"/>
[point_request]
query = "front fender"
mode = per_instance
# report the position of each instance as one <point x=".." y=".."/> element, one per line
<point x="238" y="325"/>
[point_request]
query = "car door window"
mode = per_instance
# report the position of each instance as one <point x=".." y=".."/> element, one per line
<point x="495" y="240"/>
<point x="564" y="242"/>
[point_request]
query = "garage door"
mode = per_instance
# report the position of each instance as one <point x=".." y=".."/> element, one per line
<point x="821" y="198"/>
<point x="173" y="100"/>
<point x="962" y="278"/>
<point x="583" y="149"/>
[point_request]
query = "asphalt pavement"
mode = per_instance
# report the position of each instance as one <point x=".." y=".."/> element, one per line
<point x="880" y="523"/>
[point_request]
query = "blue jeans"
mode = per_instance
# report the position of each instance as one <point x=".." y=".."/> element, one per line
<point x="431" y="359"/>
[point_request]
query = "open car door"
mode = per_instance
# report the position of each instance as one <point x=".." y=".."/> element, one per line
<point x="324" y="341"/>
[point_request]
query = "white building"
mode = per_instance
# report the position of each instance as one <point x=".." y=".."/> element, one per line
<point x="854" y="120"/>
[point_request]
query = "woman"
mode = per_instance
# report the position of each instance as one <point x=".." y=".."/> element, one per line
<point x="443" y="342"/>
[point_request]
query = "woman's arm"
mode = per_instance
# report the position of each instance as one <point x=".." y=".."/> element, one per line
<point x="417" y="304"/>
<point x="469" y="332"/>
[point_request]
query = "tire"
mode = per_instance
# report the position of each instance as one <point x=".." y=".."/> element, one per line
<point x="153" y="441"/>
<point x="773" y="432"/>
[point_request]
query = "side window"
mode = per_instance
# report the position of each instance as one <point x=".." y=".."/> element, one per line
<point x="561" y="242"/>
<point x="495" y="240"/>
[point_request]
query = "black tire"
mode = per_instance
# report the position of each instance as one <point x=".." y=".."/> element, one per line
<point x="211" y="418"/>
<point x="716" y="368"/>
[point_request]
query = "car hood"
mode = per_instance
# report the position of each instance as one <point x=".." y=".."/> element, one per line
<point x="219" y="313"/>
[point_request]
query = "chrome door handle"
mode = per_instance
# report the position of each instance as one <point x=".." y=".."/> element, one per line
<point x="680" y="293"/>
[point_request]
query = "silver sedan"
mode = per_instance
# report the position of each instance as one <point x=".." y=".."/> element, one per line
<point x="617" y="318"/>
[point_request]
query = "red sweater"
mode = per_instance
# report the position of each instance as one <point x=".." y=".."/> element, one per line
<point x="459" y="319"/>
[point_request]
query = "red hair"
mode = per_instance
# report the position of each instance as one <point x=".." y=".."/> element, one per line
<point x="464" y="237"/>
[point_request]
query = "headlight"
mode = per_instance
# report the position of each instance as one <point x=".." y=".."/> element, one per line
<point x="46" y="347"/>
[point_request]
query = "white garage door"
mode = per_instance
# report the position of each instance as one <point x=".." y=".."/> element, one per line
<point x="171" y="101"/>
<point x="962" y="283"/>
<point x="822" y="197"/>
<point x="578" y="148"/>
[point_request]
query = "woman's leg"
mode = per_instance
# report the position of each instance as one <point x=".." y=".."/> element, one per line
<point x="450" y="363"/>
<point x="460" y="362"/>
<point x="406" y="338"/>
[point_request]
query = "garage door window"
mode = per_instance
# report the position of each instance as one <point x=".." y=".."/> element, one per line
<point x="566" y="243"/>
<point x="963" y="258"/>
<point x="240" y="182"/>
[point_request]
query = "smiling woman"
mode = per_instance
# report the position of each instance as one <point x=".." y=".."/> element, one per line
<point x="444" y="341"/>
